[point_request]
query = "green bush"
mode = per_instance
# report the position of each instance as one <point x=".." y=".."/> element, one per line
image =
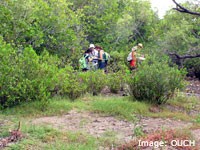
<point x="41" y="24"/>
<point x="116" y="81"/>
<point x="156" y="82"/>
<point x="116" y="62"/>
<point x="25" y="76"/>
<point x="70" y="83"/>
<point x="95" y="81"/>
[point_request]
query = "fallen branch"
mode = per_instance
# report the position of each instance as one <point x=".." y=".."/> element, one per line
<point x="15" y="135"/>
<point x="184" y="10"/>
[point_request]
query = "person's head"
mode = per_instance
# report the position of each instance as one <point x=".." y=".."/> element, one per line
<point x="98" y="48"/>
<point x="91" y="46"/>
<point x="88" y="51"/>
<point x="140" y="45"/>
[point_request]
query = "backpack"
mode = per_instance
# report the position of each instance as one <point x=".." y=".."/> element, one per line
<point x="103" y="55"/>
<point x="106" y="56"/>
<point x="129" y="58"/>
<point x="82" y="62"/>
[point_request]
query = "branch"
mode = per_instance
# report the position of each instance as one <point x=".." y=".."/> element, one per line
<point x="184" y="56"/>
<point x="184" y="10"/>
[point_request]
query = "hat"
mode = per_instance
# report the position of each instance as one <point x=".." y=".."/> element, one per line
<point x="140" y="45"/>
<point x="92" y="46"/>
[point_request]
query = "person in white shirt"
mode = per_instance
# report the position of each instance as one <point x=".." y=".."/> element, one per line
<point x="94" y="55"/>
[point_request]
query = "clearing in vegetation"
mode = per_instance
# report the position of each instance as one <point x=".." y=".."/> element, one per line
<point x="98" y="123"/>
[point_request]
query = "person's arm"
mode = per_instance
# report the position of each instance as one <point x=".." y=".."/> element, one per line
<point x="101" y="55"/>
<point x="134" y="55"/>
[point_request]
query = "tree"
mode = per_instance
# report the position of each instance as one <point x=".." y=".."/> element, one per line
<point x="115" y="24"/>
<point x="49" y="24"/>
<point x="178" y="35"/>
<point x="182" y="9"/>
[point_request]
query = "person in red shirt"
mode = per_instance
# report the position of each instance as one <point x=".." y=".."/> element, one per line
<point x="133" y="61"/>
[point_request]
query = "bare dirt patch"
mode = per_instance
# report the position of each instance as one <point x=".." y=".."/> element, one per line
<point x="90" y="123"/>
<point x="193" y="87"/>
<point x="196" y="134"/>
<point x="100" y="126"/>
<point x="152" y="124"/>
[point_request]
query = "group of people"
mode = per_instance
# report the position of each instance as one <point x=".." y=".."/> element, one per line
<point x="94" y="58"/>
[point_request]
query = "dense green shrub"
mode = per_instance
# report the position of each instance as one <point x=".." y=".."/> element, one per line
<point x="42" y="24"/>
<point x="117" y="62"/>
<point x="116" y="81"/>
<point x="9" y="74"/>
<point x="25" y="76"/>
<point x="95" y="81"/>
<point x="156" y="82"/>
<point x="70" y="83"/>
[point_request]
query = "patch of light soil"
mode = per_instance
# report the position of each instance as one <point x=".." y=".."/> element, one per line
<point x="151" y="124"/>
<point x="99" y="126"/>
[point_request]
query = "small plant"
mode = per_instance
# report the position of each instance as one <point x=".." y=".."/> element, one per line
<point x="198" y="119"/>
<point x="138" y="131"/>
